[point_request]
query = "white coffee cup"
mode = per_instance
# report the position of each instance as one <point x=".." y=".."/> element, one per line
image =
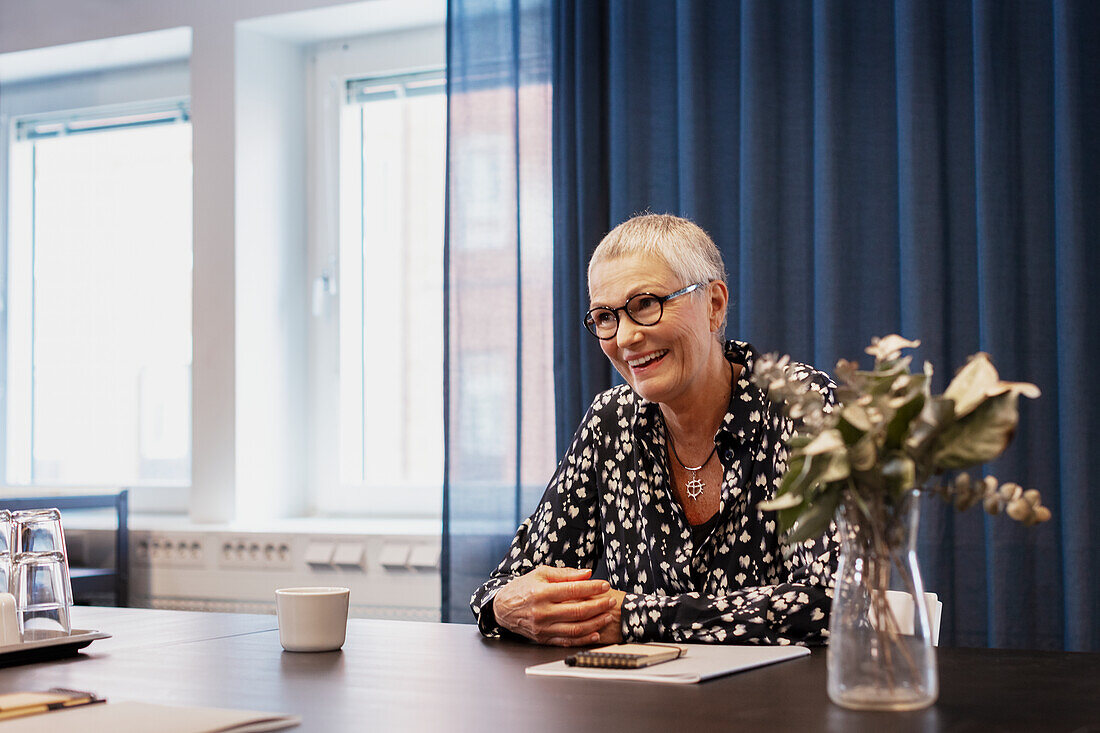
<point x="9" y="622"/>
<point x="312" y="619"/>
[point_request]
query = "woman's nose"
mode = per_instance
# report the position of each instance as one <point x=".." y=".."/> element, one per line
<point x="629" y="332"/>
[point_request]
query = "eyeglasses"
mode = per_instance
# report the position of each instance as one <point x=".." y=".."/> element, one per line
<point x="645" y="309"/>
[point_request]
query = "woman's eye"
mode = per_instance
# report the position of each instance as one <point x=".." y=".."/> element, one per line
<point x="603" y="318"/>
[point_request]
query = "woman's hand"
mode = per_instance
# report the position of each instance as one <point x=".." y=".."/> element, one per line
<point x="612" y="633"/>
<point x="557" y="606"/>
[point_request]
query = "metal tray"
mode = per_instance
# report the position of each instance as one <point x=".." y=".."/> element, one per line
<point x="52" y="647"/>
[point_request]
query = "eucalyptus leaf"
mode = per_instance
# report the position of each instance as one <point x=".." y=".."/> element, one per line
<point x="803" y="473"/>
<point x="971" y="386"/>
<point x="793" y="480"/>
<point x="828" y="441"/>
<point x="899" y="472"/>
<point x="907" y="387"/>
<point x="815" y="519"/>
<point x="980" y="436"/>
<point x="863" y="454"/>
<point x="799" y="441"/>
<point x="848" y="373"/>
<point x="935" y="416"/>
<point x="888" y="348"/>
<point x="1026" y="389"/>
<point x="898" y="427"/>
<point x="838" y="467"/>
<point x="787" y="517"/>
<point x="853" y="423"/>
<point x="847" y="395"/>
<point x="786" y="501"/>
<point x="881" y="382"/>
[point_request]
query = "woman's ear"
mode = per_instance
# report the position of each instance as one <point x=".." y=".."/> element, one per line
<point x="719" y="296"/>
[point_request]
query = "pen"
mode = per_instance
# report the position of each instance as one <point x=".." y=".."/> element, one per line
<point x="49" y="707"/>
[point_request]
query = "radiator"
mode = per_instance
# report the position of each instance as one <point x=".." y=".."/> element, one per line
<point x="391" y="576"/>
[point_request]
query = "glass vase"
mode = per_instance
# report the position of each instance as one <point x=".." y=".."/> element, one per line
<point x="880" y="654"/>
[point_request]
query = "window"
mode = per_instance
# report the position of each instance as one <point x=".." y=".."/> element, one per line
<point x="99" y="298"/>
<point x="391" y="275"/>
<point x="376" y="257"/>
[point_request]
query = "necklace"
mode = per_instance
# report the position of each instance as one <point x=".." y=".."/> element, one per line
<point x="696" y="485"/>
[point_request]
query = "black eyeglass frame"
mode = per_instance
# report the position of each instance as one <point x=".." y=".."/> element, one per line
<point x="590" y="322"/>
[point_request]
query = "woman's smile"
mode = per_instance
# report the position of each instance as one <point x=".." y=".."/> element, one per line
<point x="647" y="361"/>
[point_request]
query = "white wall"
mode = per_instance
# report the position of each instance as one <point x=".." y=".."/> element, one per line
<point x="248" y="201"/>
<point x="271" y="290"/>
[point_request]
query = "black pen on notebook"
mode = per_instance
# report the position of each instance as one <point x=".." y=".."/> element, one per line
<point x="626" y="656"/>
<point x="51" y="702"/>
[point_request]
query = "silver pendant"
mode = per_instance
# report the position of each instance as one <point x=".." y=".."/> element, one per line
<point x="695" y="487"/>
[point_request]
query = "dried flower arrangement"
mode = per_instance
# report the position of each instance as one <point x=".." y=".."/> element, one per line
<point x="862" y="461"/>
<point x="888" y="434"/>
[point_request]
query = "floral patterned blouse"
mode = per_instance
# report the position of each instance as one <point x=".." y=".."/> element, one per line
<point x="610" y="499"/>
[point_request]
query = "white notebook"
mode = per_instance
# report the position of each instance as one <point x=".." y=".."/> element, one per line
<point x="701" y="662"/>
<point x="123" y="717"/>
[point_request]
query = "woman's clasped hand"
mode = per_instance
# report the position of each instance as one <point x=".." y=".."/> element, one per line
<point x="560" y="606"/>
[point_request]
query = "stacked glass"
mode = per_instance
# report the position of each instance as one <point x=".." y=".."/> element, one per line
<point x="5" y="550"/>
<point x="35" y="565"/>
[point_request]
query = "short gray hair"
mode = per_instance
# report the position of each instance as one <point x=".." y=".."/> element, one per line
<point x="682" y="245"/>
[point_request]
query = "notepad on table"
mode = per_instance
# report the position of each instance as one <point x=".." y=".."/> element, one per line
<point x="124" y="717"/>
<point x="625" y="656"/>
<point x="699" y="662"/>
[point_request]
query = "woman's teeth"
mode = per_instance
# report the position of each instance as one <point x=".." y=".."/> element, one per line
<point x="642" y="361"/>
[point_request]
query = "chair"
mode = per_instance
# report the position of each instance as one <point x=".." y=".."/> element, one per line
<point x="901" y="603"/>
<point x="114" y="581"/>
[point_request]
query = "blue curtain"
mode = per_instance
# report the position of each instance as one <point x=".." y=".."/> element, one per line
<point x="930" y="168"/>
<point x="499" y="408"/>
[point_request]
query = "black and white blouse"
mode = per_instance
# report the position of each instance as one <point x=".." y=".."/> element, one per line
<point x="610" y="498"/>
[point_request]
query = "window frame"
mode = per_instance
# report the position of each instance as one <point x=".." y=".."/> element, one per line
<point x="125" y="87"/>
<point x="20" y="315"/>
<point x="333" y="65"/>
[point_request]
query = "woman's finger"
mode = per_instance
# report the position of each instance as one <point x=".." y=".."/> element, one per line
<point x="574" y="590"/>
<point x="571" y="612"/>
<point x="564" y="641"/>
<point x="580" y="630"/>
<point x="561" y="574"/>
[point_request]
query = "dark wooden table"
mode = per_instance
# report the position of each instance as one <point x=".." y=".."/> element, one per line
<point x="406" y="676"/>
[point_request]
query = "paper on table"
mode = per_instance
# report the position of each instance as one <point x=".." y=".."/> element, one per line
<point x="702" y="662"/>
<point x="121" y="717"/>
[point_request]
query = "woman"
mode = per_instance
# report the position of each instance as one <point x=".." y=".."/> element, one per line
<point x="664" y="475"/>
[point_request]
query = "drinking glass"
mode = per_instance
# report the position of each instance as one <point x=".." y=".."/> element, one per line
<point x="40" y="600"/>
<point x="6" y="535"/>
<point x="37" y="531"/>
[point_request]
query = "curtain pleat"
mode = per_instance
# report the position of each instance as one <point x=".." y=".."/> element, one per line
<point x="927" y="167"/>
<point x="499" y="429"/>
<point x="581" y="196"/>
<point x="1077" y="256"/>
<point x="774" y="291"/>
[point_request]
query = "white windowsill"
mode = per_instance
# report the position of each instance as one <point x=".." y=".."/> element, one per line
<point x="367" y="526"/>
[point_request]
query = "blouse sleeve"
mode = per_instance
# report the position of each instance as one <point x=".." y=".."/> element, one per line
<point x="563" y="531"/>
